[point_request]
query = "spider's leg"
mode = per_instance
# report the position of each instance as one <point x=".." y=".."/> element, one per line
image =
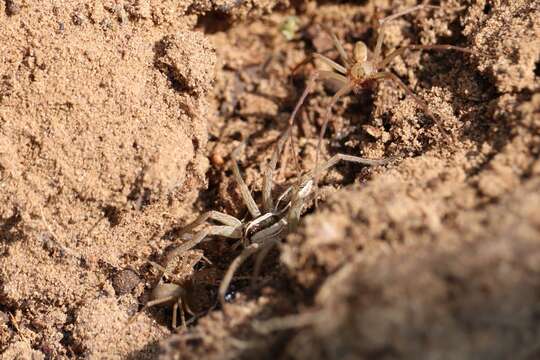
<point x="265" y="250"/>
<point x="334" y="65"/>
<point x="187" y="308"/>
<point x="244" y="190"/>
<point x="394" y="78"/>
<point x="180" y="305"/>
<point x="311" y="83"/>
<point x="297" y="201"/>
<point x="338" y="46"/>
<point x="342" y="92"/>
<point x="244" y="255"/>
<point x="149" y="305"/>
<point x="287" y="322"/>
<point x="340" y="50"/>
<point x="351" y="158"/>
<point x="158" y="302"/>
<point x="384" y="21"/>
<point x="232" y="232"/>
<point x="220" y="217"/>
<point x="268" y="202"/>
<point x="407" y="11"/>
<point x="398" y="52"/>
<point x="174" y="311"/>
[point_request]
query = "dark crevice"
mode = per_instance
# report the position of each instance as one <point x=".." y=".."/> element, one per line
<point x="332" y="2"/>
<point x="140" y="196"/>
<point x="214" y="22"/>
<point x="13" y="7"/>
<point x="68" y="341"/>
<point x="8" y="227"/>
<point x="112" y="214"/>
<point x="177" y="83"/>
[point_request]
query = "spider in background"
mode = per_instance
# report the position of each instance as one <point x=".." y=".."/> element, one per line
<point x="361" y="71"/>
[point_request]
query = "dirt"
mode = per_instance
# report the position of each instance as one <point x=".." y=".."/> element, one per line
<point x="117" y="120"/>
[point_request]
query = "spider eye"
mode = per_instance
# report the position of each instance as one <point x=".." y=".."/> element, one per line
<point x="360" y="52"/>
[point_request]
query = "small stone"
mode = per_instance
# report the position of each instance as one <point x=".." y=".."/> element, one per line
<point x="13" y="7"/>
<point x="373" y="131"/>
<point x="125" y="281"/>
<point x="217" y="160"/>
<point x="77" y="19"/>
<point x="4" y="318"/>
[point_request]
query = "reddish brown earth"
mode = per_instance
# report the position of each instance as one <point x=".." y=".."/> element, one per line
<point x="117" y="120"/>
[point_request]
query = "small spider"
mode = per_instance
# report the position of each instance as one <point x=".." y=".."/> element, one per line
<point x="168" y="293"/>
<point x="363" y="70"/>
<point x="266" y="228"/>
<point x="173" y="291"/>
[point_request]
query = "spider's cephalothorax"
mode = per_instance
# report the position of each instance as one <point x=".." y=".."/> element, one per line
<point x="260" y="228"/>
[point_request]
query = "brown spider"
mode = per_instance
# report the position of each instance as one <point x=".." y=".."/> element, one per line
<point x="171" y="293"/>
<point x="363" y="70"/>
<point x="174" y="290"/>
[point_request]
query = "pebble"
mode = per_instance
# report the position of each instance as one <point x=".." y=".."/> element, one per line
<point x="125" y="281"/>
<point x="4" y="318"/>
<point x="13" y="7"/>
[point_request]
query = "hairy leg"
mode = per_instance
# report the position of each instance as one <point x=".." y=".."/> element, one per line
<point x="398" y="52"/>
<point x="244" y="191"/>
<point x="311" y="83"/>
<point x="407" y="11"/>
<point x="341" y="51"/>
<point x="287" y="322"/>
<point x="351" y="158"/>
<point x="220" y="217"/>
<point x="268" y="202"/>
<point x="174" y="317"/>
<point x="178" y="306"/>
<point x="334" y="65"/>
<point x="182" y="313"/>
<point x="263" y="253"/>
<point x="384" y="21"/>
<point x="337" y="44"/>
<point x="244" y="255"/>
<point x="396" y="80"/>
<point x="149" y="305"/>
<point x="231" y="232"/>
<point x="342" y="92"/>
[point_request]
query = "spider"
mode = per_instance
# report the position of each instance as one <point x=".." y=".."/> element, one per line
<point x="168" y="293"/>
<point x="173" y="290"/>
<point x="267" y="227"/>
<point x="361" y="71"/>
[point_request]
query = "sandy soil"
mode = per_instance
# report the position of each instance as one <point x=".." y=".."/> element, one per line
<point x="117" y="120"/>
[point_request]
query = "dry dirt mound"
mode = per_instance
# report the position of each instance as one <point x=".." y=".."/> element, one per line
<point x="110" y="110"/>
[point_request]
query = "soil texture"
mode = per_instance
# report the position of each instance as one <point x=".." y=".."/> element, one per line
<point x="117" y="124"/>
